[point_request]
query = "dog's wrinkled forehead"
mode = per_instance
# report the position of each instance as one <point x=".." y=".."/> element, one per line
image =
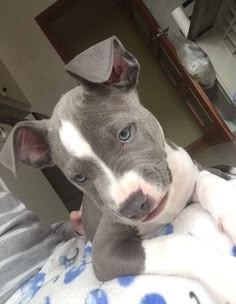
<point x="87" y="126"/>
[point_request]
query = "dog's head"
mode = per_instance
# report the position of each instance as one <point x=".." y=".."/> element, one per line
<point x="106" y="143"/>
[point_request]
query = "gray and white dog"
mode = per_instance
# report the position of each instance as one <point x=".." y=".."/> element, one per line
<point x="114" y="150"/>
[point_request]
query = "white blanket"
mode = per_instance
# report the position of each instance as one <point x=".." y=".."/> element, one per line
<point x="68" y="277"/>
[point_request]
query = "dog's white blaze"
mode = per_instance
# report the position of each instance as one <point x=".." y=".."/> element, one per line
<point x="73" y="141"/>
<point x="131" y="182"/>
<point x="120" y="189"/>
<point x="76" y="145"/>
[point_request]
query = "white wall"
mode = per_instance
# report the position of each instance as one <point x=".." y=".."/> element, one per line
<point x="29" y="56"/>
<point x="32" y="71"/>
<point x="6" y="80"/>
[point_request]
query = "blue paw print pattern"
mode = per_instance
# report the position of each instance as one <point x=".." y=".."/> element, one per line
<point x="168" y="229"/>
<point x="153" y="298"/>
<point x="96" y="296"/>
<point x="74" y="272"/>
<point x="165" y="230"/>
<point x="47" y="300"/>
<point x="65" y="261"/>
<point x="87" y="251"/>
<point x="31" y="287"/>
<point x="234" y="251"/>
<point x="125" y="281"/>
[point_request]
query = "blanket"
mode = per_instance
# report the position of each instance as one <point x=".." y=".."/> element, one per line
<point x="68" y="276"/>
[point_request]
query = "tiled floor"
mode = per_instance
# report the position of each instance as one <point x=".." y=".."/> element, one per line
<point x="217" y="155"/>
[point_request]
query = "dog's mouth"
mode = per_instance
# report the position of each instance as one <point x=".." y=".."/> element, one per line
<point x="157" y="210"/>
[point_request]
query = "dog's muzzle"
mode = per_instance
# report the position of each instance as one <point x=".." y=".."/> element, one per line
<point x="136" y="206"/>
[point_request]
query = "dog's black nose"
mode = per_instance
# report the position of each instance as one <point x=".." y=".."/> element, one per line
<point x="136" y="206"/>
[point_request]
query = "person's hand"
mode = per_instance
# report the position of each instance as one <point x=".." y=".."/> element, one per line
<point x="76" y="222"/>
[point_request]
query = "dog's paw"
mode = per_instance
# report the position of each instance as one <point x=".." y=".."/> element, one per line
<point x="218" y="197"/>
<point x="227" y="221"/>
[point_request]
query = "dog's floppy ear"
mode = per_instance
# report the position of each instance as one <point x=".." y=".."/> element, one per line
<point x="27" y="143"/>
<point x="106" y="65"/>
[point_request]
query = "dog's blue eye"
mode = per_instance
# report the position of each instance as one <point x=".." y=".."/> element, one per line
<point x="80" y="178"/>
<point x="125" y="134"/>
